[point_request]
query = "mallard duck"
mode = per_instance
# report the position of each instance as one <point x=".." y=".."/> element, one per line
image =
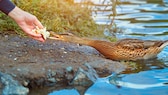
<point x="125" y="49"/>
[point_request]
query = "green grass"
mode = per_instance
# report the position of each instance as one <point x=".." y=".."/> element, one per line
<point x="58" y="16"/>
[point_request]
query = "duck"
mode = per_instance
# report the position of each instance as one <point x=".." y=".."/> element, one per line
<point x="122" y="50"/>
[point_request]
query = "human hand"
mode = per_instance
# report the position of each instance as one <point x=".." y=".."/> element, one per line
<point x="27" y="22"/>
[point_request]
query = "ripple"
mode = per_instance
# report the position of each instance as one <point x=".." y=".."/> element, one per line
<point x="142" y="83"/>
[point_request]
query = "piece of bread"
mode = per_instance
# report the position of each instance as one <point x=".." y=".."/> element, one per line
<point x="43" y="32"/>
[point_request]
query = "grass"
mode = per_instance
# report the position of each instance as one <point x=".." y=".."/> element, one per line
<point x="56" y="15"/>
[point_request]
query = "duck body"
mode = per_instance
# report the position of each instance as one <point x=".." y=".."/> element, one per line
<point x="129" y="49"/>
<point x="125" y="49"/>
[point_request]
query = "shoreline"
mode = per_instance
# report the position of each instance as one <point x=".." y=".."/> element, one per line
<point x="35" y="64"/>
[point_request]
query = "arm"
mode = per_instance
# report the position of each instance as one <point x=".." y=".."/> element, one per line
<point x="26" y="21"/>
<point x="6" y="6"/>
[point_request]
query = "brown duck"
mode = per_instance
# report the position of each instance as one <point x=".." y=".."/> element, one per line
<point x="125" y="49"/>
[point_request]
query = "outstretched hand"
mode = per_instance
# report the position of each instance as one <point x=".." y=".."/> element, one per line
<point x="27" y="22"/>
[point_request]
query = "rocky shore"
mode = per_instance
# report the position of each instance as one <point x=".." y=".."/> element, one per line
<point x="28" y="63"/>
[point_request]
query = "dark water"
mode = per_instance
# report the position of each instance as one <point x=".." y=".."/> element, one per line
<point x="142" y="19"/>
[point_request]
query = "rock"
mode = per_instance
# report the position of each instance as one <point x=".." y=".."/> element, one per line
<point x="69" y="69"/>
<point x="53" y="80"/>
<point x="11" y="86"/>
<point x="1" y="87"/>
<point x="51" y="73"/>
<point x="85" y="77"/>
<point x="25" y="83"/>
<point x="106" y="66"/>
<point x="92" y="74"/>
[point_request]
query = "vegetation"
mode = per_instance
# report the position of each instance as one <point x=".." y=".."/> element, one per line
<point x="58" y="16"/>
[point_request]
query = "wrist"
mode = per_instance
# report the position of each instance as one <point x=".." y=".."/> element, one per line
<point x="15" y="13"/>
<point x="6" y="6"/>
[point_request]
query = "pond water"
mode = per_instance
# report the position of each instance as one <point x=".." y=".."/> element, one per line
<point x="142" y="19"/>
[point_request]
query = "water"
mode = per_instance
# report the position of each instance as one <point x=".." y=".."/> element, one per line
<point x="143" y="83"/>
<point x="142" y="19"/>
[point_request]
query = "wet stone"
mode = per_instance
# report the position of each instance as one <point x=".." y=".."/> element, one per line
<point x="69" y="69"/>
<point x="11" y="86"/>
<point x="85" y="77"/>
<point x="53" y="80"/>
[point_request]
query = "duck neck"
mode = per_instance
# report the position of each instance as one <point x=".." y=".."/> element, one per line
<point x="78" y="40"/>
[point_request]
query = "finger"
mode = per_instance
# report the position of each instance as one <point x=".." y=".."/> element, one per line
<point x="39" y="39"/>
<point x="28" y="30"/>
<point x="33" y="34"/>
<point x="38" y="23"/>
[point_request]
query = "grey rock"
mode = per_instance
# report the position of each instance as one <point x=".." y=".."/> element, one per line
<point x="69" y="69"/>
<point x="53" y="80"/>
<point x="107" y="65"/>
<point x="11" y="86"/>
<point x="85" y="77"/>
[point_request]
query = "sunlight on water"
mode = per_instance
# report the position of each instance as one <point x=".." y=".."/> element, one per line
<point x="138" y="16"/>
<point x="164" y="56"/>
<point x="144" y="83"/>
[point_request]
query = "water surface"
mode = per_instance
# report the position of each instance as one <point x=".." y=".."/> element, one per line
<point x="142" y="19"/>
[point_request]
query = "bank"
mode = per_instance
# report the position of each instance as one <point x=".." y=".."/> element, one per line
<point x="34" y="64"/>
